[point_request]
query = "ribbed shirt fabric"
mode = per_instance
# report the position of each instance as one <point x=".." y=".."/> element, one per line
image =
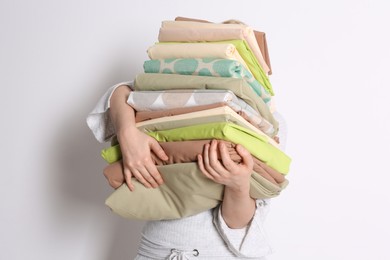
<point x="198" y="233"/>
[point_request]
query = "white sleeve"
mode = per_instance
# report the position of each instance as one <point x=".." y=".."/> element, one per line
<point x="250" y="241"/>
<point x="99" y="119"/>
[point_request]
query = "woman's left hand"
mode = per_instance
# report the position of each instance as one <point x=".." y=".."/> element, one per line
<point x="232" y="175"/>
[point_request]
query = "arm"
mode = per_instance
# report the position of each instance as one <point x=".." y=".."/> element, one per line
<point x="238" y="207"/>
<point x="250" y="241"/>
<point x="135" y="146"/>
<point x="239" y="218"/>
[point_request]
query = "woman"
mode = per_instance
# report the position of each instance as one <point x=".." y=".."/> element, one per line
<point x="233" y="230"/>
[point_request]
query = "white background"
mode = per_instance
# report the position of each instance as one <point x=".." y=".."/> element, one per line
<point x="331" y="78"/>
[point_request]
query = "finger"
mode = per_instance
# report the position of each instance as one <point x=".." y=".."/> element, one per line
<point x="156" y="148"/>
<point x="141" y="178"/>
<point x="156" y="175"/>
<point x="207" y="162"/>
<point x="246" y="156"/>
<point x="148" y="177"/>
<point x="202" y="169"/>
<point x="127" y="174"/>
<point x="214" y="162"/>
<point x="213" y="155"/>
<point x="227" y="162"/>
<point x="205" y="156"/>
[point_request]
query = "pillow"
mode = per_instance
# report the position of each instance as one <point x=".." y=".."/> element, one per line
<point x="185" y="192"/>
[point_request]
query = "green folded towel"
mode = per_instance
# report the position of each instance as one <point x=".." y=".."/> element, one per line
<point x="207" y="67"/>
<point x="256" y="144"/>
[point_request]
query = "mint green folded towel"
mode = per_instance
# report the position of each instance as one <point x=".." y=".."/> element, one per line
<point x="250" y="60"/>
<point x="207" y="67"/>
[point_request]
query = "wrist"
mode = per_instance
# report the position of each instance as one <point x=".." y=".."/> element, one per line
<point x="240" y="191"/>
<point x="127" y="129"/>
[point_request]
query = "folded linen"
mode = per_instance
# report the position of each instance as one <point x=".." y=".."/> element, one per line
<point x="192" y="34"/>
<point x="219" y="114"/>
<point x="195" y="50"/>
<point x="147" y="115"/>
<point x="256" y="144"/>
<point x="241" y="47"/>
<point x="215" y="115"/>
<point x="251" y="61"/>
<point x="187" y="151"/>
<point x="139" y="99"/>
<point x="177" y="98"/>
<point x="156" y="81"/>
<point x="260" y="38"/>
<point x="207" y="67"/>
<point x="185" y="31"/>
<point x="185" y="192"/>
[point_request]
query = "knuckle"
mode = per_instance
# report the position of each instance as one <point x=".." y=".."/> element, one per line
<point x="154" y="174"/>
<point x="143" y="181"/>
<point x="213" y="164"/>
<point x="229" y="165"/>
<point x="208" y="167"/>
<point x="145" y="160"/>
<point x="157" y="177"/>
<point x="218" y="179"/>
<point x="149" y="178"/>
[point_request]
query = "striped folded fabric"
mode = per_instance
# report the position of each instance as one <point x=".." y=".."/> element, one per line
<point x="157" y="81"/>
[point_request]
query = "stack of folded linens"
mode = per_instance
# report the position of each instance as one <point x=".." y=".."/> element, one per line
<point x="203" y="81"/>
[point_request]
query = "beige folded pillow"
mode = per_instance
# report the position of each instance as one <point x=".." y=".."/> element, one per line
<point x="185" y="192"/>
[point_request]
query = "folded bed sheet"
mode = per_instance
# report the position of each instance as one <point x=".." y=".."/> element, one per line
<point x="157" y="81"/>
<point x="207" y="67"/>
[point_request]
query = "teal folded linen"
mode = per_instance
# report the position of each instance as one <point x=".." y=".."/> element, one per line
<point x="250" y="59"/>
<point x="256" y="144"/>
<point x="207" y="67"/>
<point x="157" y="81"/>
<point x="254" y="65"/>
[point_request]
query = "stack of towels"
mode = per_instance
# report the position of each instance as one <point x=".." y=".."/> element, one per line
<point x="203" y="81"/>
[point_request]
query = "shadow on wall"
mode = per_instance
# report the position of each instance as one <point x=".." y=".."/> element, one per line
<point x="79" y="192"/>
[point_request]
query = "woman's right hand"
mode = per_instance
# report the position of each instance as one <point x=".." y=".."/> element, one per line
<point x="136" y="148"/>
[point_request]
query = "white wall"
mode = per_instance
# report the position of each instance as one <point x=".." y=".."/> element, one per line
<point x="330" y="63"/>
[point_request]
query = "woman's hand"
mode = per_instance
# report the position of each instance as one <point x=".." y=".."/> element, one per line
<point x="136" y="148"/>
<point x="232" y="175"/>
<point x="237" y="206"/>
